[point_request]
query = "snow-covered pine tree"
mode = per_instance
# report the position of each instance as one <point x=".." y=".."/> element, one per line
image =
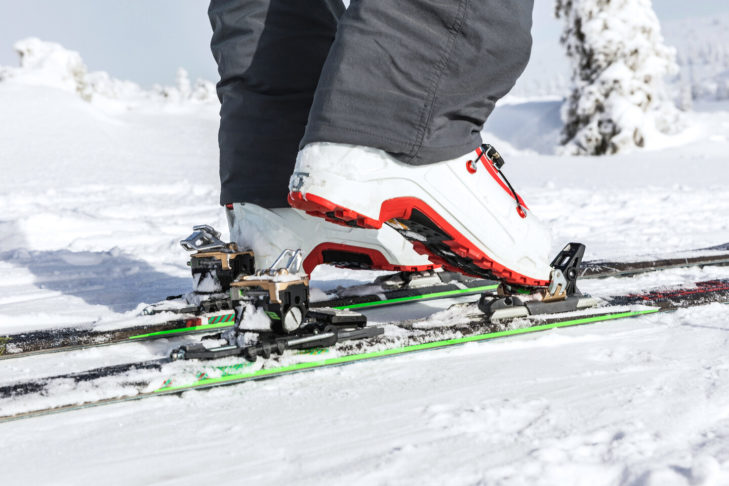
<point x="618" y="98"/>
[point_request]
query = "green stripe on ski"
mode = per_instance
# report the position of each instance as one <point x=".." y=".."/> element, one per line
<point x="215" y="322"/>
<point x="404" y="350"/>
<point x="182" y="330"/>
<point x="434" y="295"/>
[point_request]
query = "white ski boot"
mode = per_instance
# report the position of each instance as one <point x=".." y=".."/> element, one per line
<point x="461" y="213"/>
<point x="268" y="232"/>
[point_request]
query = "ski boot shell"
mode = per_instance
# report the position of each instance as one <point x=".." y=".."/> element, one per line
<point x="268" y="232"/>
<point x="461" y="213"/>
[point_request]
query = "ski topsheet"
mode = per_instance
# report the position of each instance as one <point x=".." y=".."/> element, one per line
<point x="439" y="286"/>
<point x="161" y="377"/>
<point x="716" y="256"/>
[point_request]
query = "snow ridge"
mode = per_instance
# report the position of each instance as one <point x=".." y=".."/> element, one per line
<point x="50" y="65"/>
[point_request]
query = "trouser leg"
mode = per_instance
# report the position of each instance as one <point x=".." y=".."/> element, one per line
<point x="269" y="54"/>
<point x="418" y="78"/>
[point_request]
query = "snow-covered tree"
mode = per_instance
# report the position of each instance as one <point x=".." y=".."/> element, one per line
<point x="619" y="60"/>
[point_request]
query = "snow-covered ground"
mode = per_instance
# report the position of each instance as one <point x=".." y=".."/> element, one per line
<point x="101" y="180"/>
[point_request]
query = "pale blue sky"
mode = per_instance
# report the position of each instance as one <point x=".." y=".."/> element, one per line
<point x="147" y="40"/>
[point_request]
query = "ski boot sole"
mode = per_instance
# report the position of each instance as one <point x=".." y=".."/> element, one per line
<point x="430" y="234"/>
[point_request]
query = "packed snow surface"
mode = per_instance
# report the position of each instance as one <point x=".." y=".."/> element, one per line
<point x="99" y="185"/>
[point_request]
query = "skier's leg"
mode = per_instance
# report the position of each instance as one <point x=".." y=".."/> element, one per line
<point x="269" y="55"/>
<point x="418" y="78"/>
<point x="396" y="118"/>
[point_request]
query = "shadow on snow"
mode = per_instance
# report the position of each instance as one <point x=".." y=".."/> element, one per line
<point x="108" y="278"/>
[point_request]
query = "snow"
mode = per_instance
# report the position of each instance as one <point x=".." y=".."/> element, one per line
<point x="97" y="191"/>
<point x="702" y="55"/>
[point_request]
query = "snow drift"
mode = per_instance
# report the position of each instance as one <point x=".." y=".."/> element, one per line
<point x="51" y="65"/>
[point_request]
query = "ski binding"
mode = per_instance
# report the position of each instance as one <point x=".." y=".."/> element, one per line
<point x="560" y="296"/>
<point x="282" y="293"/>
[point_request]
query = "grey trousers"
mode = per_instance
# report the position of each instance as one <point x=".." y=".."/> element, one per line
<point x="416" y="78"/>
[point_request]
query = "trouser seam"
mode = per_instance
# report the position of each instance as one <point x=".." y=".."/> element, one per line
<point x="364" y="132"/>
<point x="426" y="113"/>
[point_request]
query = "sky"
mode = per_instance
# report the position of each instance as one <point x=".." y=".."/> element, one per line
<point x="147" y="40"/>
<point x="139" y="40"/>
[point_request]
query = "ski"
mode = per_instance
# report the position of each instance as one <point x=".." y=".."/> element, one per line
<point x="165" y="376"/>
<point x="395" y="289"/>
<point x="405" y="287"/>
<point x="71" y="338"/>
<point x="713" y="256"/>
